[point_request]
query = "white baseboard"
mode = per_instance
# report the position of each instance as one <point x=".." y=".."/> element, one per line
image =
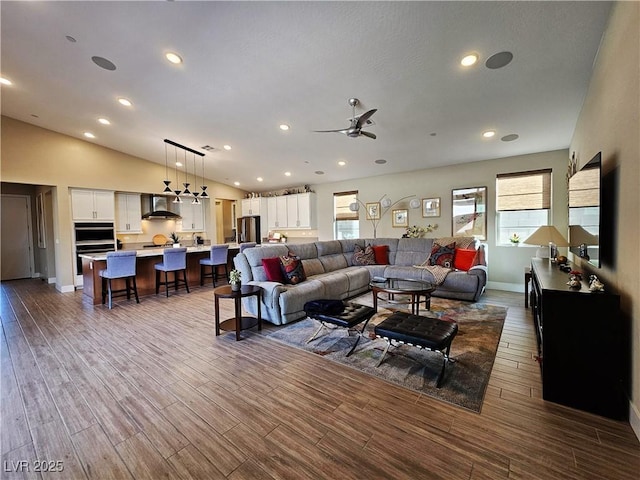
<point x="65" y="288"/>
<point x="51" y="280"/>
<point x="507" y="287"/>
<point x="634" y="419"/>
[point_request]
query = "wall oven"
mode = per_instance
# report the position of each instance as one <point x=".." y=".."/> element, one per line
<point x="89" y="238"/>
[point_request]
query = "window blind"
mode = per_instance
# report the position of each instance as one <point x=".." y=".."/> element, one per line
<point x="341" y="202"/>
<point x="524" y="191"/>
<point x="584" y="188"/>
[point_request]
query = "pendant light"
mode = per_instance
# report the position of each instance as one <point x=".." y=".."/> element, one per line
<point x="186" y="192"/>
<point x="167" y="182"/>
<point x="196" y="200"/>
<point x="177" y="192"/>
<point x="203" y="187"/>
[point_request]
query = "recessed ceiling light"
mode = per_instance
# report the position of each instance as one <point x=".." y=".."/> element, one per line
<point x="178" y="164"/>
<point x="104" y="121"/>
<point x="70" y="38"/>
<point x="469" y="60"/>
<point x="260" y="179"/>
<point x="227" y="147"/>
<point x="381" y="161"/>
<point x="488" y="133"/>
<point x="237" y="184"/>
<point x="319" y="172"/>
<point x="284" y="127"/>
<point x="287" y="174"/>
<point x="173" y="58"/>
<point x="342" y="163"/>
<point x="125" y="102"/>
<point x="103" y="63"/>
<point x="5" y="81"/>
<point x="89" y="135"/>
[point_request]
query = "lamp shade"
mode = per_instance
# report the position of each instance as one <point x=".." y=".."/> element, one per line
<point x="578" y="236"/>
<point x="545" y="235"/>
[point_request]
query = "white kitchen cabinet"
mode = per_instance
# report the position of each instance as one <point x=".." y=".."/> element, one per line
<point x="92" y="205"/>
<point x="253" y="206"/>
<point x="128" y="213"/>
<point x="277" y="212"/>
<point x="301" y="210"/>
<point x="192" y="216"/>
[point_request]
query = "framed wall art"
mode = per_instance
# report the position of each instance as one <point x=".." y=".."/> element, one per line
<point x="469" y="212"/>
<point x="431" y="207"/>
<point x="400" y="218"/>
<point x="373" y="211"/>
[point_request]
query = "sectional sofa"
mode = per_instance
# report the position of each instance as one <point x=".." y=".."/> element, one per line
<point x="332" y="274"/>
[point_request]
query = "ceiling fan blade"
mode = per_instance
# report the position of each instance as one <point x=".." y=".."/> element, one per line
<point x="364" y="117"/>
<point x="342" y="130"/>
<point x="368" y="134"/>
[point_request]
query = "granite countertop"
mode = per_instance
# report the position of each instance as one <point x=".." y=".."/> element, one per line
<point x="155" y="252"/>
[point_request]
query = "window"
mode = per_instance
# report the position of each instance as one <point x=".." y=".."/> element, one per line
<point x="345" y="221"/>
<point x="523" y="203"/>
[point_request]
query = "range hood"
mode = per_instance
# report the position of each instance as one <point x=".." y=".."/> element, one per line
<point x="159" y="207"/>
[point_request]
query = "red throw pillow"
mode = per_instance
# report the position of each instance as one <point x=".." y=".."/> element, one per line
<point x="464" y="259"/>
<point x="381" y="253"/>
<point x="442" y="255"/>
<point x="272" y="269"/>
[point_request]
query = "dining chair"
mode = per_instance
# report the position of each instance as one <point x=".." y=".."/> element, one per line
<point x="173" y="260"/>
<point x="217" y="258"/>
<point x="245" y="245"/>
<point x="120" y="264"/>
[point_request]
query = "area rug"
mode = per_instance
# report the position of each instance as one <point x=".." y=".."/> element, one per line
<point x="465" y="381"/>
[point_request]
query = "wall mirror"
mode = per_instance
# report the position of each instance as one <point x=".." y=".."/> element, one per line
<point x="469" y="212"/>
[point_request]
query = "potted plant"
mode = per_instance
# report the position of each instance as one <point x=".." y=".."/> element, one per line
<point x="235" y="280"/>
<point x="175" y="239"/>
<point x="514" y="239"/>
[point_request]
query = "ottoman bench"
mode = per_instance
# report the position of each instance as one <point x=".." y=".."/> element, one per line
<point x="339" y="314"/>
<point x="418" y="331"/>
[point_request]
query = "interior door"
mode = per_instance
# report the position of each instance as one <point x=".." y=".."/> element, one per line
<point x="17" y="242"/>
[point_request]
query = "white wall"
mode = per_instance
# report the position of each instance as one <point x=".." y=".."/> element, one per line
<point x="609" y="123"/>
<point x="506" y="263"/>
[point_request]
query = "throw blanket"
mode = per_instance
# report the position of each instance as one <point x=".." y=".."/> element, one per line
<point x="439" y="273"/>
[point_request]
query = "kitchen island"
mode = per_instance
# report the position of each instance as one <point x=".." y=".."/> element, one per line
<point x="145" y="271"/>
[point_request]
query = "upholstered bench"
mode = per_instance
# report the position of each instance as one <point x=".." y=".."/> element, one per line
<point x="339" y="314"/>
<point x="418" y="331"/>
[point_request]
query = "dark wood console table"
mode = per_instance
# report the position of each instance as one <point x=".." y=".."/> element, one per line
<point x="579" y="342"/>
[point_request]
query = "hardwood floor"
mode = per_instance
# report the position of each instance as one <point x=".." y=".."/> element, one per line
<point x="147" y="391"/>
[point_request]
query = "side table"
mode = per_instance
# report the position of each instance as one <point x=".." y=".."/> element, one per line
<point x="238" y="322"/>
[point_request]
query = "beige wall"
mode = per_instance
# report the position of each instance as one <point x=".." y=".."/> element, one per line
<point x="609" y="123"/>
<point x="36" y="156"/>
<point x="506" y="263"/>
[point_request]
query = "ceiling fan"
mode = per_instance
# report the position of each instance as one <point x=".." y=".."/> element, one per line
<point x="357" y="123"/>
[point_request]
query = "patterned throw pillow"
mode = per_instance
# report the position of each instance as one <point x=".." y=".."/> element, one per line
<point x="364" y="257"/>
<point x="442" y="255"/>
<point x="292" y="269"/>
<point x="273" y="269"/>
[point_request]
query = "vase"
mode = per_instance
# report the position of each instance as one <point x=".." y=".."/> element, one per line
<point x="235" y="286"/>
<point x="176" y="245"/>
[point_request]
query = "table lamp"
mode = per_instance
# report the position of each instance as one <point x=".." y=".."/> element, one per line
<point x="548" y="238"/>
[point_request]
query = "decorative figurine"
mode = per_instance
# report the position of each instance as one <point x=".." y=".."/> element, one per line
<point x="595" y="285"/>
<point x="574" y="281"/>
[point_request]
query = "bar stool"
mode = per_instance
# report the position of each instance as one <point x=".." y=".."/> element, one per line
<point x="244" y="246"/>
<point x="217" y="257"/>
<point x="120" y="264"/>
<point x="173" y="260"/>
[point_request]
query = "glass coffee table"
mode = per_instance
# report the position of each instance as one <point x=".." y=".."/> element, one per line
<point x="402" y="291"/>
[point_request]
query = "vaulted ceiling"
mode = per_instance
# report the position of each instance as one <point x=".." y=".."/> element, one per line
<point x="249" y="67"/>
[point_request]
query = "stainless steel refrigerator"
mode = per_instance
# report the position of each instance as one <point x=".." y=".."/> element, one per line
<point x="249" y="229"/>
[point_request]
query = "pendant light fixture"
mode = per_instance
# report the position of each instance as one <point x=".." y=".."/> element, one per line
<point x="167" y="182"/>
<point x="186" y="192"/>
<point x="196" y="200"/>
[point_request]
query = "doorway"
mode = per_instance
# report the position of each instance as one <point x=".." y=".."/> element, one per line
<point x="225" y="220"/>
<point x="17" y="240"/>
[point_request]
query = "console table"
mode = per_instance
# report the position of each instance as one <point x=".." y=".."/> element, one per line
<point x="579" y="342"/>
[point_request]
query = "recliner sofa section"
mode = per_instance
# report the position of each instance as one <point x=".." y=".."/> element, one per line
<point x="332" y="274"/>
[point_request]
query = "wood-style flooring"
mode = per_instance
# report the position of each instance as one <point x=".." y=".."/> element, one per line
<point x="148" y="391"/>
